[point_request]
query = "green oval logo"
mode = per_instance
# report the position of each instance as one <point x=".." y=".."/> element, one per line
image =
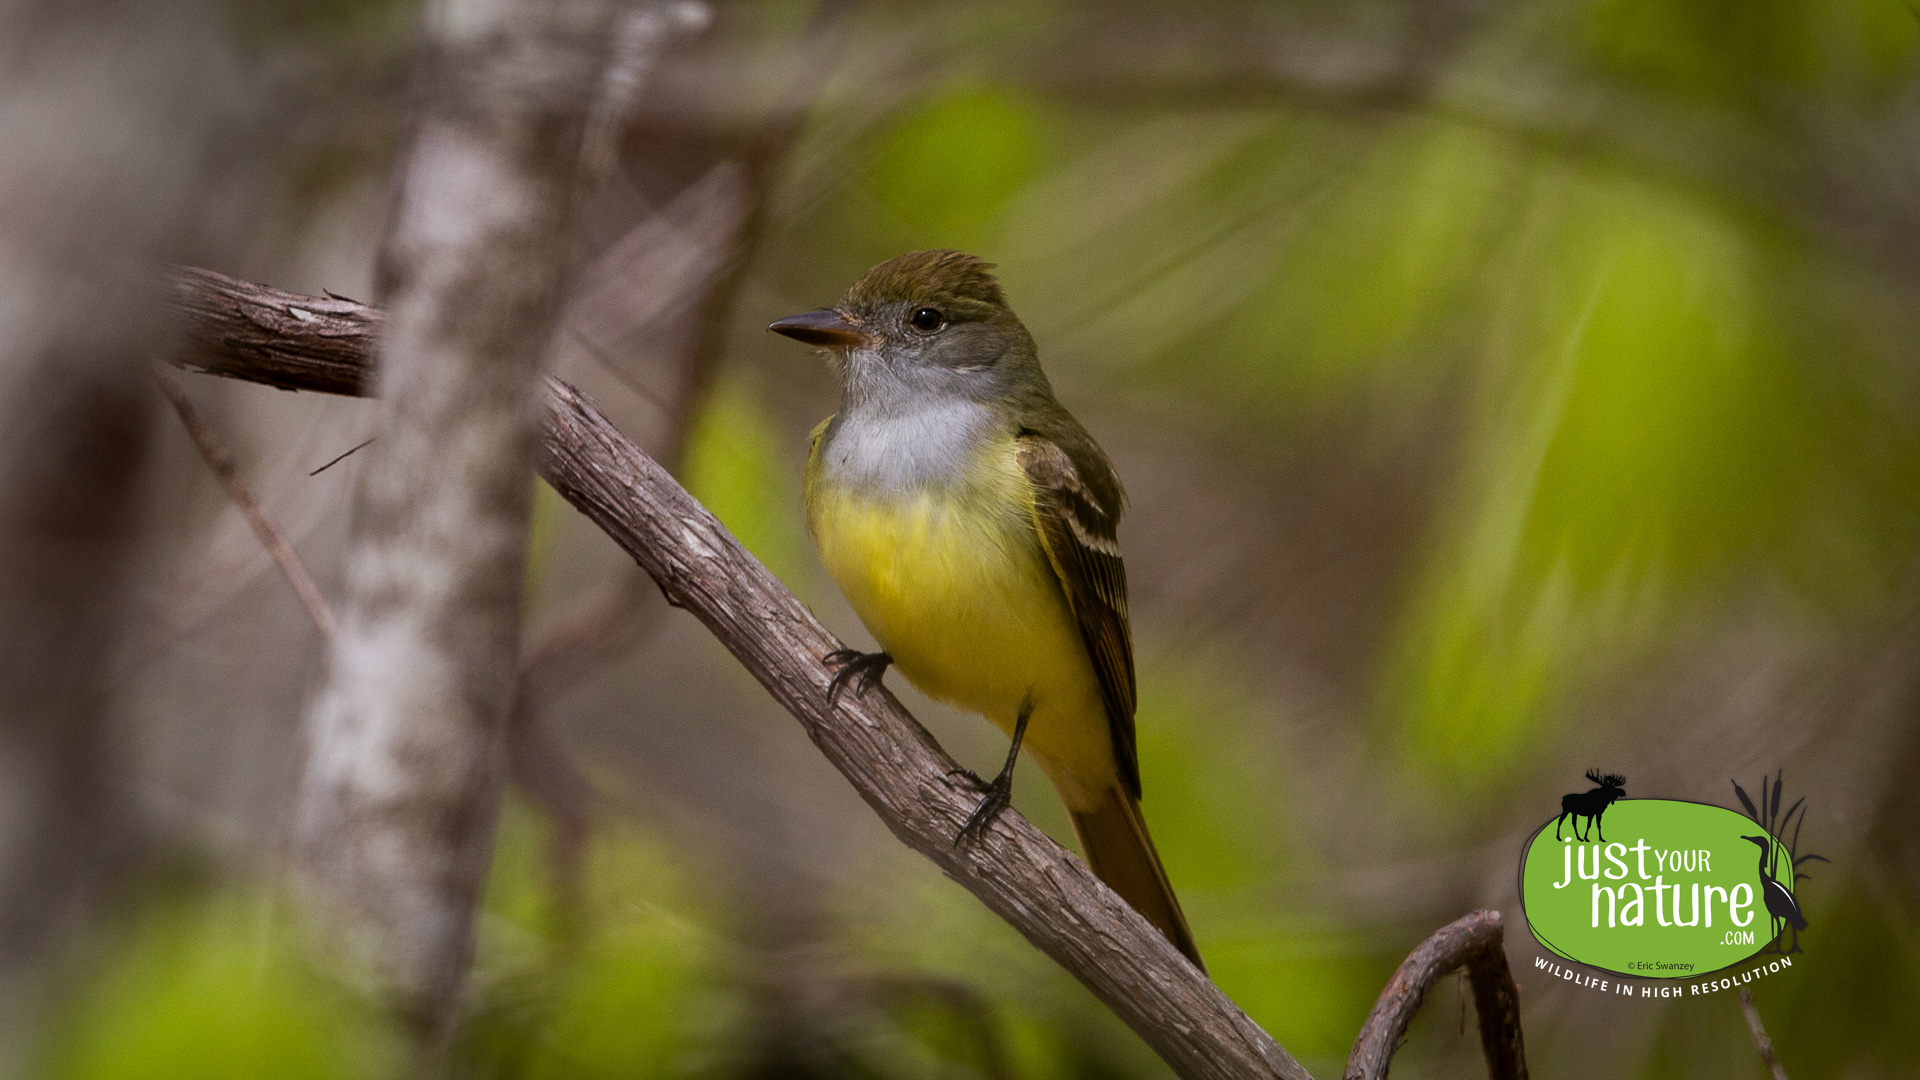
<point x="1674" y="890"/>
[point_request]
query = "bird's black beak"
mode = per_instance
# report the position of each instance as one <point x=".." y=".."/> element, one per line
<point x="824" y="327"/>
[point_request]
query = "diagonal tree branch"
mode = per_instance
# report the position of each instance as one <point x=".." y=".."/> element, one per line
<point x="1474" y="941"/>
<point x="1042" y="890"/>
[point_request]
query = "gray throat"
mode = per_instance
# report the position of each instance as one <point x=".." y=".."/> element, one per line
<point x="896" y="449"/>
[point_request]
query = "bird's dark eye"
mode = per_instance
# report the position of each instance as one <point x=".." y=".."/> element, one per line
<point x="927" y="320"/>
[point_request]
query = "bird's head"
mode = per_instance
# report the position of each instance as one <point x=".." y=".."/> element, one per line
<point x="925" y="325"/>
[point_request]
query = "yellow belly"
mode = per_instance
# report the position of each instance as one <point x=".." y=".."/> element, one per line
<point x="957" y="588"/>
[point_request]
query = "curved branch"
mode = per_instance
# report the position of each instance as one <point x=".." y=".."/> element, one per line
<point x="247" y="332"/>
<point x="1475" y="941"/>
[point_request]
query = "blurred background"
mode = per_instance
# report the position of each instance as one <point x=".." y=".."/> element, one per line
<point x="1503" y="389"/>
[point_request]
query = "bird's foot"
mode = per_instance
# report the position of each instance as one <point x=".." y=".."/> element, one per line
<point x="999" y="792"/>
<point x="863" y="669"/>
<point x="999" y="795"/>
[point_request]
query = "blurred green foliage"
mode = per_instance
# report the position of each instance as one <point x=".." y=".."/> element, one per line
<point x="1843" y="1016"/>
<point x="735" y="465"/>
<point x="1229" y="843"/>
<point x="209" y="984"/>
<point x="1378" y="269"/>
<point x="1725" y="49"/>
<point x="1654" y="438"/>
<point x="617" y="980"/>
<point x="950" y="166"/>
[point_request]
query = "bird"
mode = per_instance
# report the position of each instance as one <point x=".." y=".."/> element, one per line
<point x="971" y="521"/>
<point x="1781" y="905"/>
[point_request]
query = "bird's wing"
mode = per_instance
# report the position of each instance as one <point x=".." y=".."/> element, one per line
<point x="819" y="429"/>
<point x="1078" y="534"/>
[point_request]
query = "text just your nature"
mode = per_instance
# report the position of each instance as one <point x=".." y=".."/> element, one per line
<point x="1626" y="904"/>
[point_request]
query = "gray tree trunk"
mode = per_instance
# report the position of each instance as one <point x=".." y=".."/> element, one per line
<point x="403" y="775"/>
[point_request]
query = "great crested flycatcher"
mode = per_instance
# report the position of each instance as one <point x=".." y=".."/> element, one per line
<point x="970" y="519"/>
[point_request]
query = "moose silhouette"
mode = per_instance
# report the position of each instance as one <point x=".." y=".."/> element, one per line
<point x="1590" y="804"/>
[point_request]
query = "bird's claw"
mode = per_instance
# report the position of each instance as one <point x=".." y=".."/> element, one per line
<point x="999" y="795"/>
<point x="854" y="666"/>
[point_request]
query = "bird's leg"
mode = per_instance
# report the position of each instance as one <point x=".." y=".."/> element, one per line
<point x="854" y="666"/>
<point x="1000" y="788"/>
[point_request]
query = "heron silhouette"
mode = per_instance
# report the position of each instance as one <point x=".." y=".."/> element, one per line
<point x="1781" y="906"/>
<point x="1779" y="898"/>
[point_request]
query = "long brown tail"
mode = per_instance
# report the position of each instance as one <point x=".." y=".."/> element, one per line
<point x="1117" y="847"/>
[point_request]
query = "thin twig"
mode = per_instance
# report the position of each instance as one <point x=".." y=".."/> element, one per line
<point x="344" y="455"/>
<point x="214" y="452"/>
<point x="1476" y="943"/>
<point x="1759" y="1032"/>
<point x="893" y="763"/>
